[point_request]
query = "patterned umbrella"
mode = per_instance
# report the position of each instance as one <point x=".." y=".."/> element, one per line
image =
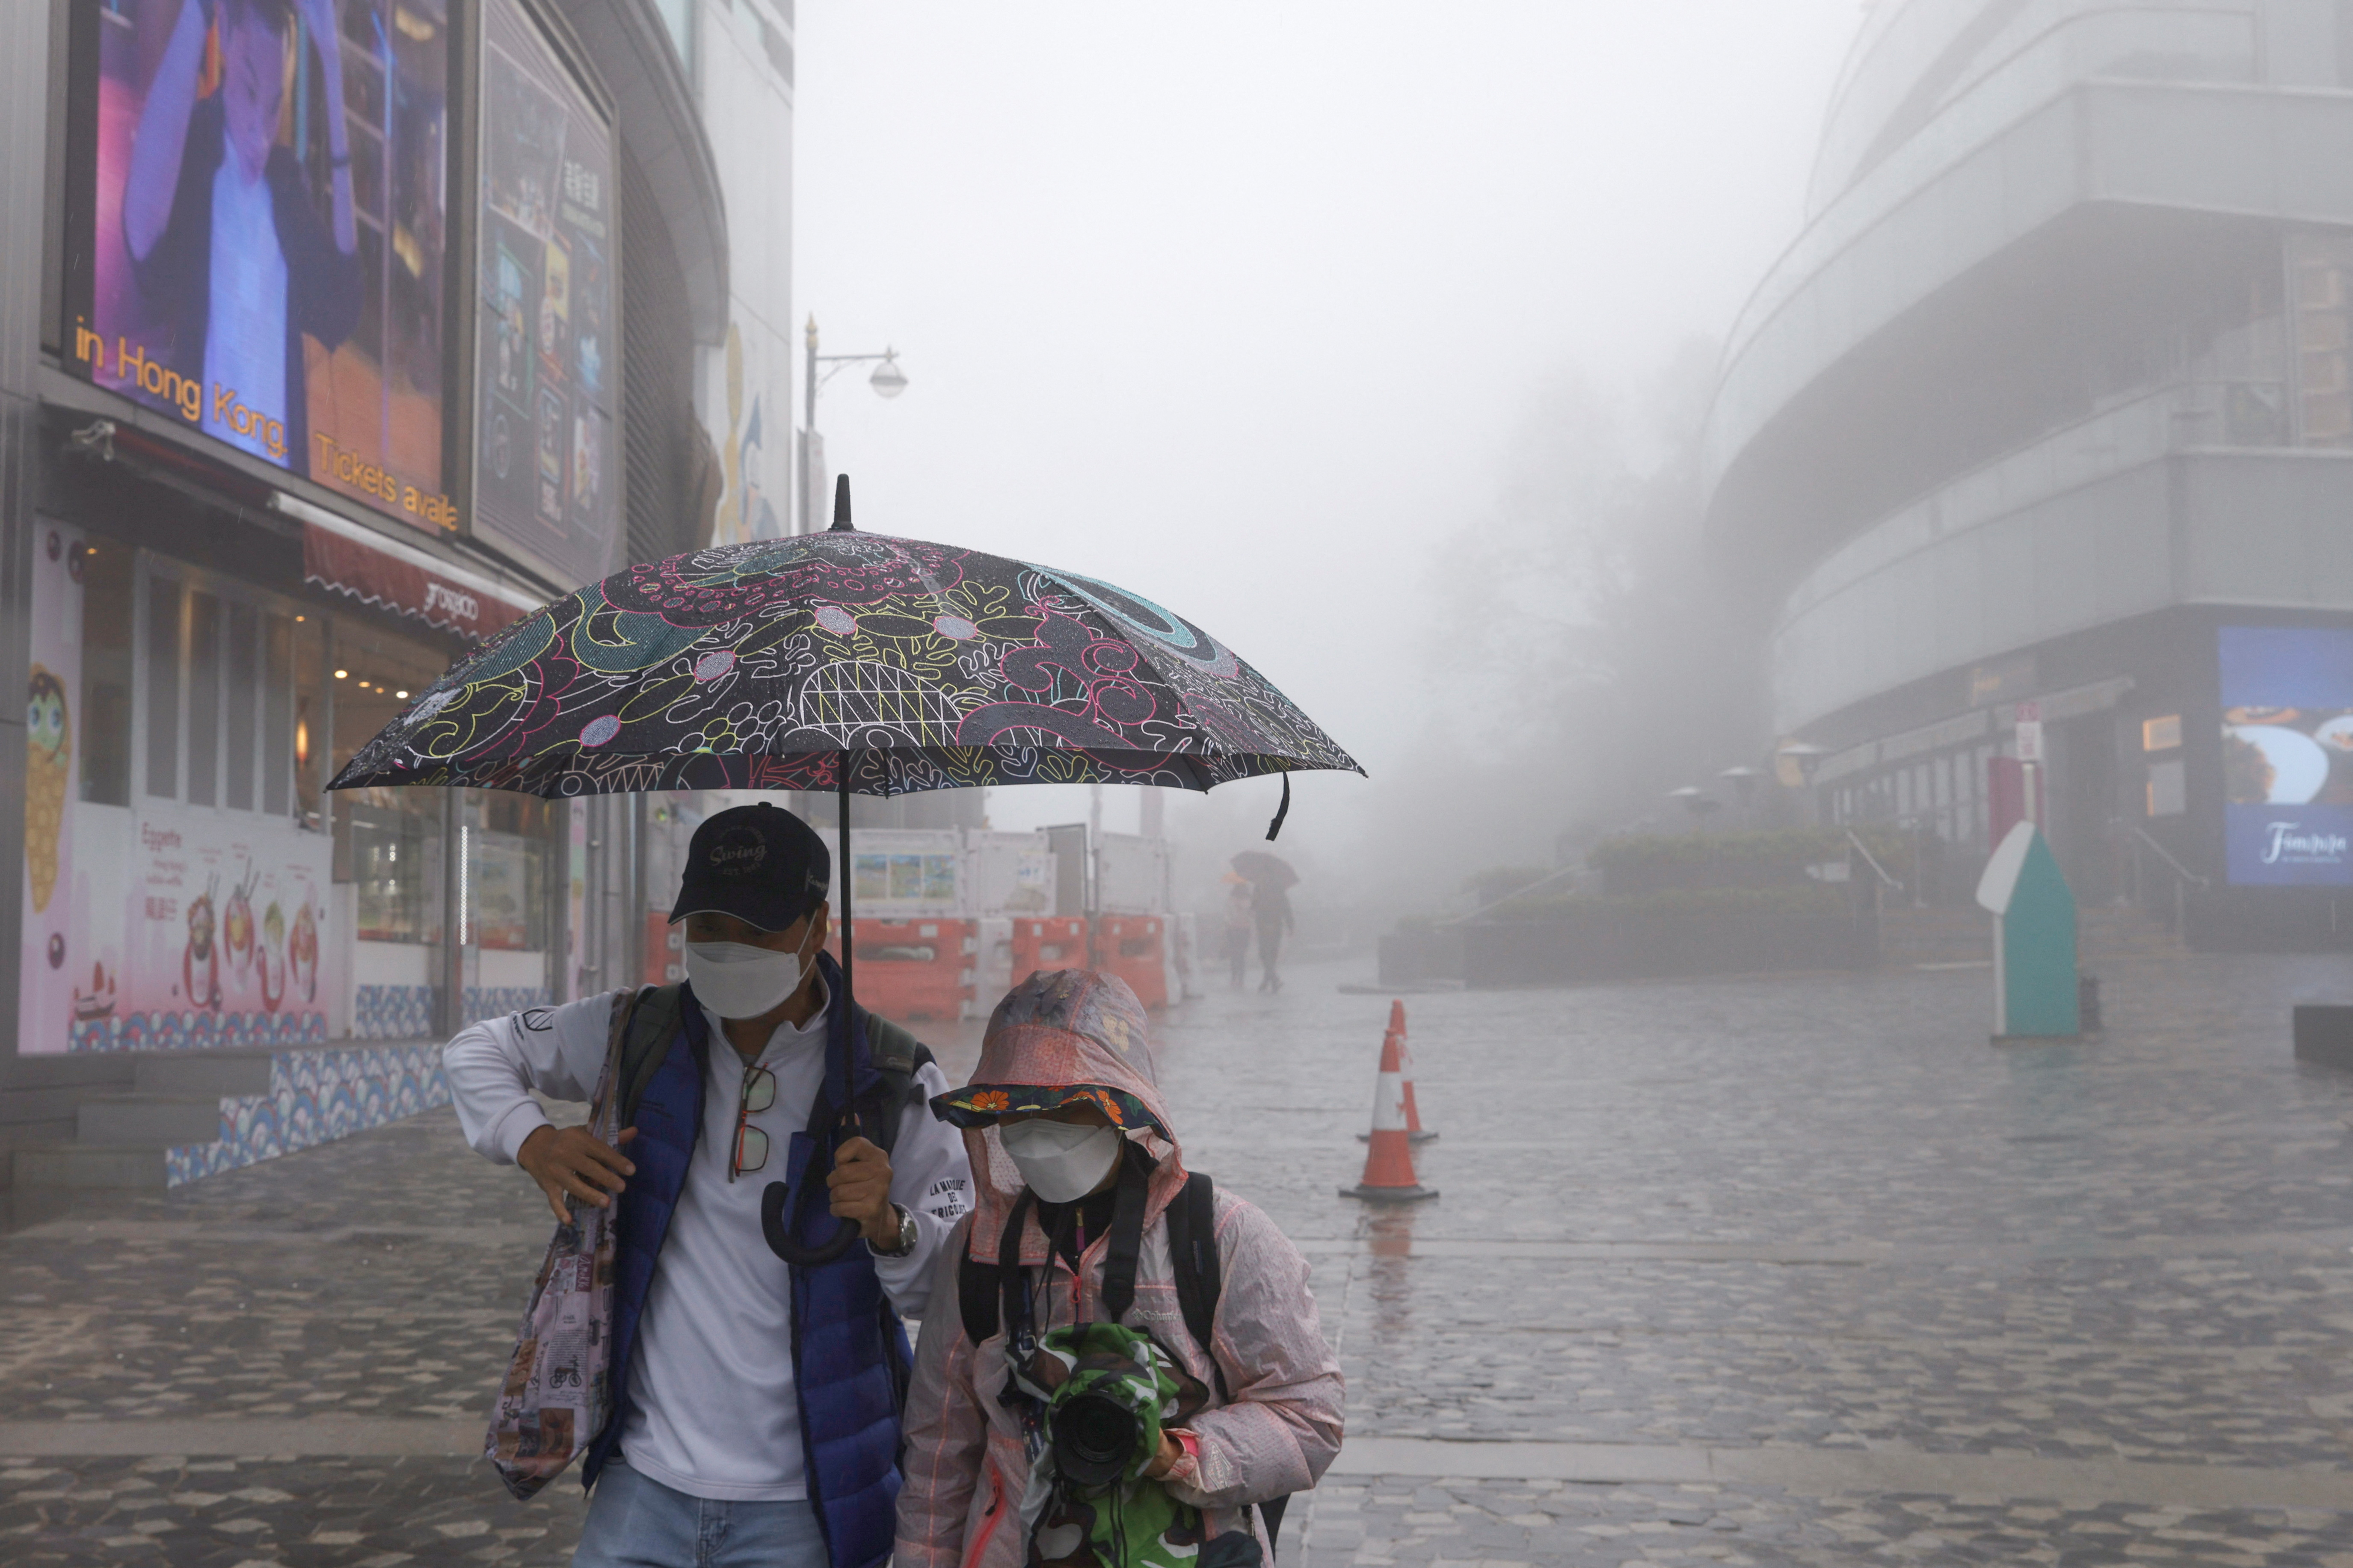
<point x="844" y="660"/>
<point x="848" y="662"/>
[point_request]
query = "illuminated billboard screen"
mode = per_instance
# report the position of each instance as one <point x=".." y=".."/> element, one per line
<point x="545" y="465"/>
<point x="258" y="242"/>
<point x="2288" y="754"/>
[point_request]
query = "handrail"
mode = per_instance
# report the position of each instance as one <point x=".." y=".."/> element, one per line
<point x="1872" y="863"/>
<point x="2181" y="870"/>
<point x="1508" y="897"/>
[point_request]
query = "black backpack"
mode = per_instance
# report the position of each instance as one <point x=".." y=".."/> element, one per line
<point x="1192" y="1246"/>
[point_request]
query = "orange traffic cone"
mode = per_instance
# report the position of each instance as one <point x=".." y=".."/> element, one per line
<point x="1414" y="1130"/>
<point x="1389" y="1159"/>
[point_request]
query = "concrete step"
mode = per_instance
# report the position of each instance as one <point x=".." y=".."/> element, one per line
<point x="2114" y="930"/>
<point x="213" y="1073"/>
<point x="89" y="1165"/>
<point x="160" y="1119"/>
<point x="18" y="1106"/>
<point x="1908" y="936"/>
<point x="29" y="1135"/>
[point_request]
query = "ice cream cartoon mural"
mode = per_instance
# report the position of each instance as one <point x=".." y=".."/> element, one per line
<point x="53" y="907"/>
<point x="200" y="963"/>
<point x="48" y="771"/>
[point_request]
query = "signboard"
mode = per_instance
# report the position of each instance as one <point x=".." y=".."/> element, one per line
<point x="2030" y="732"/>
<point x="2288" y="754"/>
<point x="546" y="354"/>
<point x="254" y="248"/>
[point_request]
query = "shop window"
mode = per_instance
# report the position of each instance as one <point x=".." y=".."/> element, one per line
<point x="276" y="713"/>
<point x="241" y="668"/>
<point x="388" y="842"/>
<point x="219" y="675"/>
<point x="107" y="618"/>
<point x="162" y="688"/>
<point x="310" y="717"/>
<point x="204" y="699"/>
<point x="509" y="848"/>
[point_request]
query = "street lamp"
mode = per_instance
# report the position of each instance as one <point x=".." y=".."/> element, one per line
<point x="888" y="381"/>
<point x="1743" y="779"/>
<point x="1695" y="800"/>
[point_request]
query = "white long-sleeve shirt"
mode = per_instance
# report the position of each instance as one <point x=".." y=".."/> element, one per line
<point x="713" y="1412"/>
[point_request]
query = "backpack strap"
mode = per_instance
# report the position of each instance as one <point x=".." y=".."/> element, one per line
<point x="1193" y="1247"/>
<point x="898" y="1056"/>
<point x="643" y="1025"/>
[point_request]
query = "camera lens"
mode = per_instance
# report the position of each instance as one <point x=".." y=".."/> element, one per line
<point x="1094" y="1439"/>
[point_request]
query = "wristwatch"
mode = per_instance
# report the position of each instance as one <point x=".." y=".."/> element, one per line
<point x="907" y="1233"/>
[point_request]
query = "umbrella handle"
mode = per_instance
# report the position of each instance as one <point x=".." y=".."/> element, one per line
<point x="780" y="1237"/>
<point x="779" y="1233"/>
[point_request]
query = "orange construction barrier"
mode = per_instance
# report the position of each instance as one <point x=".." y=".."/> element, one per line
<point x="1054" y="942"/>
<point x="1388" y="1158"/>
<point x="1134" y="948"/>
<point x="912" y="970"/>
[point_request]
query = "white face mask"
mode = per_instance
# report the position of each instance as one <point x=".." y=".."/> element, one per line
<point x="1062" y="1161"/>
<point x="737" y="980"/>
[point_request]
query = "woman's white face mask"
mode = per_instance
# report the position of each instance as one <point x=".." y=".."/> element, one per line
<point x="1060" y="1161"/>
<point x="737" y="980"/>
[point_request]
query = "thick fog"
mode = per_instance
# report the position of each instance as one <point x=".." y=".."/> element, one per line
<point x="1374" y="337"/>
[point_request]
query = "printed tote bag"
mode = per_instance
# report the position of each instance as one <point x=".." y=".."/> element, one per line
<point x="558" y="1391"/>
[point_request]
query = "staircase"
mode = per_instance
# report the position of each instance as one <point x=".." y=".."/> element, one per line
<point x="1910" y="939"/>
<point x="159" y="1118"/>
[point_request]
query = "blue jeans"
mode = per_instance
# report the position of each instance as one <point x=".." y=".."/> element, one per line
<point x="637" y="1523"/>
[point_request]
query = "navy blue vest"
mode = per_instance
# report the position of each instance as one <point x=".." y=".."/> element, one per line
<point x="850" y="1358"/>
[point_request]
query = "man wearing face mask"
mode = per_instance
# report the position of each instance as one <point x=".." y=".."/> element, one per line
<point x="715" y="1402"/>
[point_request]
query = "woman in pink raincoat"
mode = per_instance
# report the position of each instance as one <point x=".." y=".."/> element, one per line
<point x="1064" y="1088"/>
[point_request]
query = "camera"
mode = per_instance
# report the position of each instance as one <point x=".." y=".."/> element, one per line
<point x="1094" y="1439"/>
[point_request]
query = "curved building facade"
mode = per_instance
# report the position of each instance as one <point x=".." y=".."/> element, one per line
<point x="2050" y="403"/>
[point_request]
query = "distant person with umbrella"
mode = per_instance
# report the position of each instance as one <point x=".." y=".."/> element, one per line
<point x="1240" y="919"/>
<point x="1270" y="881"/>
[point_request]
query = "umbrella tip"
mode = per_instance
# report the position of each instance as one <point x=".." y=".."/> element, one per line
<point x="841" y="505"/>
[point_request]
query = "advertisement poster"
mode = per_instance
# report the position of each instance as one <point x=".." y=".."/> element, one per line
<point x="55" y="876"/>
<point x="227" y="925"/>
<point x="259" y="233"/>
<point x="2288" y="754"/>
<point x="546" y="472"/>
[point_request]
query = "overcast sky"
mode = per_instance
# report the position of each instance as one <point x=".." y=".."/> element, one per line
<point x="1240" y="305"/>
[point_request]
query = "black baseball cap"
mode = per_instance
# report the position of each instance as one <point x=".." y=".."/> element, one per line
<point x="759" y="863"/>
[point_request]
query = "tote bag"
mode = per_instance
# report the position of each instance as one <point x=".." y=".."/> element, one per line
<point x="558" y="1391"/>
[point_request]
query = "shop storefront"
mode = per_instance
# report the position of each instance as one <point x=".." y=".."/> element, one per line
<point x="190" y="885"/>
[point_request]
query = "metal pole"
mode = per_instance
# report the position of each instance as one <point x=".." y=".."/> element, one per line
<point x="453" y="896"/>
<point x="808" y="429"/>
<point x="843" y="767"/>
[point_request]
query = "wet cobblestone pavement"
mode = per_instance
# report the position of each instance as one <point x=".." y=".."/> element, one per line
<point x="1802" y="1267"/>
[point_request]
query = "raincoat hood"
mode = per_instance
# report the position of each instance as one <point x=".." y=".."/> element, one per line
<point x="1060" y="1037"/>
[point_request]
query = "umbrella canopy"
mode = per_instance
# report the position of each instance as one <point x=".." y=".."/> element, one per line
<point x="844" y="659"/>
<point x="1261" y="866"/>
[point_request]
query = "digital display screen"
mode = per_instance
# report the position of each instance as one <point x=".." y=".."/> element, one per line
<point x="545" y="470"/>
<point x="259" y="251"/>
<point x="2288" y="754"/>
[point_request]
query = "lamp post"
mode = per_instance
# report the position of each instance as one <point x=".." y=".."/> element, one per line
<point x="888" y="381"/>
<point x="1743" y="779"/>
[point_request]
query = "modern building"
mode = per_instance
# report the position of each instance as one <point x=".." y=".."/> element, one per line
<point x="2048" y="413"/>
<point x="327" y="356"/>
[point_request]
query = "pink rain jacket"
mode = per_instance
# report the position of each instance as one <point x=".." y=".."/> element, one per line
<point x="965" y="1467"/>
